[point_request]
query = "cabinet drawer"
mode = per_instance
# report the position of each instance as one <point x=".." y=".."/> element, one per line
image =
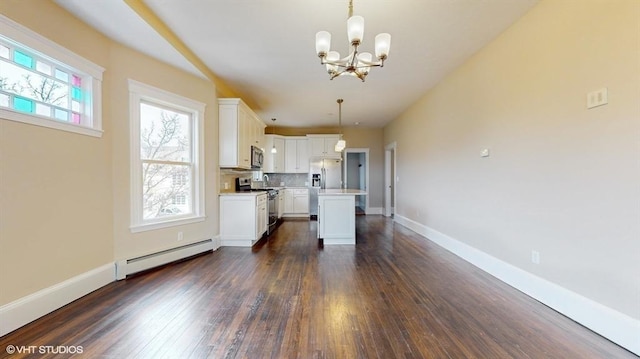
<point x="261" y="199"/>
<point x="300" y="191"/>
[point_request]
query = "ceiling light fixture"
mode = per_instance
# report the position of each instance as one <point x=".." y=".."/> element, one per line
<point x="341" y="144"/>
<point x="357" y="64"/>
<point x="273" y="148"/>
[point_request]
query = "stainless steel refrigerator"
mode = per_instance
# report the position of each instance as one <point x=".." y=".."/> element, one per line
<point x="323" y="174"/>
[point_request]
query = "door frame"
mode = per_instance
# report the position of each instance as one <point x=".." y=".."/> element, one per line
<point x="366" y="181"/>
<point x="390" y="183"/>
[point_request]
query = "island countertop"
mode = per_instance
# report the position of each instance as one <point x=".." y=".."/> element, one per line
<point x="341" y="192"/>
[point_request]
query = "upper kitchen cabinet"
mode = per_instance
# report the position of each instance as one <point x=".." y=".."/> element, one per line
<point x="239" y="129"/>
<point x="296" y="155"/>
<point x="323" y="146"/>
<point x="273" y="162"/>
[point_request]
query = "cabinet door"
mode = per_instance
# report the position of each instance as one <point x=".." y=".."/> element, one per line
<point x="301" y="201"/>
<point x="244" y="139"/>
<point x="330" y="145"/>
<point x="288" y="201"/>
<point x="280" y="203"/>
<point x="258" y="132"/>
<point x="301" y="204"/>
<point x="236" y="221"/>
<point x="302" y="157"/>
<point x="278" y="157"/>
<point x="261" y="215"/>
<point x="290" y="155"/>
<point x="269" y="158"/>
<point x="316" y="147"/>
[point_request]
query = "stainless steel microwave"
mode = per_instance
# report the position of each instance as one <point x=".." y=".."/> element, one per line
<point x="257" y="157"/>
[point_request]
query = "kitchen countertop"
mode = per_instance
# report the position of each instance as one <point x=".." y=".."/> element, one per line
<point x="341" y="192"/>
<point x="245" y="193"/>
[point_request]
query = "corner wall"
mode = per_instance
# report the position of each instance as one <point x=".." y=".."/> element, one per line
<point x="561" y="179"/>
<point x="64" y="197"/>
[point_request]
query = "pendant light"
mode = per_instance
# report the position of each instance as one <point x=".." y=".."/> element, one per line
<point x="273" y="148"/>
<point x="341" y="144"/>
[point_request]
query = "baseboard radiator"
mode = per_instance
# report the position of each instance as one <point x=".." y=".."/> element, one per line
<point x="142" y="263"/>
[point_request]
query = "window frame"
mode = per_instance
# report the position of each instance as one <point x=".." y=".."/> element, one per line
<point x="140" y="93"/>
<point x="21" y="37"/>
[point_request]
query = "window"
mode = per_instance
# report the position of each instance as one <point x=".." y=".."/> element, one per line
<point x="166" y="157"/>
<point x="44" y="84"/>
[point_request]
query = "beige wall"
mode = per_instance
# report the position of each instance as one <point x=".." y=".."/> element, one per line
<point x="356" y="137"/>
<point x="128" y="64"/>
<point x="55" y="187"/>
<point x="561" y="179"/>
<point x="65" y="197"/>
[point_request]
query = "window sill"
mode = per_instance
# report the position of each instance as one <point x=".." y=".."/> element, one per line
<point x="37" y="121"/>
<point x="165" y="224"/>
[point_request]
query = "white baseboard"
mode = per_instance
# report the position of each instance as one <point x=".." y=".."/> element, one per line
<point x="611" y="324"/>
<point x="375" y="210"/>
<point x="27" y="309"/>
<point x="217" y="242"/>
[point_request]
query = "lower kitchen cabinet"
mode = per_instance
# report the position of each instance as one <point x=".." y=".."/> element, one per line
<point x="280" y="203"/>
<point x="243" y="218"/>
<point x="296" y="202"/>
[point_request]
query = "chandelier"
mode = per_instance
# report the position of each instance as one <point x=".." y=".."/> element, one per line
<point x="356" y="64"/>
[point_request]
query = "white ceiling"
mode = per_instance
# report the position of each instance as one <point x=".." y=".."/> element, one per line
<point x="265" y="49"/>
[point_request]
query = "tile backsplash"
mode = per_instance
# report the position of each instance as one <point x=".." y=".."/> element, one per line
<point x="289" y="179"/>
<point x="275" y="179"/>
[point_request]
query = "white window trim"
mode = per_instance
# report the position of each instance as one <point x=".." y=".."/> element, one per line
<point x="16" y="33"/>
<point x="140" y="92"/>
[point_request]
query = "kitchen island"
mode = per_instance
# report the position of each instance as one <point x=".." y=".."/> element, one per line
<point x="337" y="215"/>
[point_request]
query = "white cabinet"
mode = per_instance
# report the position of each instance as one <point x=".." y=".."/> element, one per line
<point x="280" y="203"/>
<point x="296" y="155"/>
<point x="296" y="202"/>
<point x="273" y="162"/>
<point x="243" y="219"/>
<point x="262" y="215"/>
<point x="323" y="146"/>
<point x="337" y="219"/>
<point x="239" y="129"/>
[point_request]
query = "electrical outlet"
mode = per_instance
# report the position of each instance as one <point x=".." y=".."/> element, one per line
<point x="535" y="257"/>
<point x="484" y="152"/>
<point x="226" y="185"/>
<point x="179" y="236"/>
<point x="597" y="98"/>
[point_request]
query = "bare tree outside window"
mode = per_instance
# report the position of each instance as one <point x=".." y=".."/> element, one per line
<point x="23" y="82"/>
<point x="166" y="161"/>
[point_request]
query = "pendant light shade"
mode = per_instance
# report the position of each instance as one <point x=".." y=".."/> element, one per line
<point x="273" y="147"/>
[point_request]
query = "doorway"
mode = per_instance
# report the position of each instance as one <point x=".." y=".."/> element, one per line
<point x="356" y="175"/>
<point x="390" y="179"/>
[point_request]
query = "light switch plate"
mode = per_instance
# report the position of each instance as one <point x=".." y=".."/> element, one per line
<point x="597" y="98"/>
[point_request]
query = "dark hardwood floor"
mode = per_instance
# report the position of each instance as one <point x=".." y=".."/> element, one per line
<point x="393" y="295"/>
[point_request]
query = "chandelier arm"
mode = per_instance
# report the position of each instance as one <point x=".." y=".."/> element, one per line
<point x="354" y="56"/>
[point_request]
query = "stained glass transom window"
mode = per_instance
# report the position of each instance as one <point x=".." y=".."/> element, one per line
<point x="37" y="86"/>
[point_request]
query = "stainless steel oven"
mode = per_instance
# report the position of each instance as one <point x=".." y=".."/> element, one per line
<point x="272" y="196"/>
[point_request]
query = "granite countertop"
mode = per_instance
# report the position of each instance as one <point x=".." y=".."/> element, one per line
<point x="341" y="192"/>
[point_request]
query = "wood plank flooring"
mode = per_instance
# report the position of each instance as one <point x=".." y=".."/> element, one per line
<point x="393" y="295"/>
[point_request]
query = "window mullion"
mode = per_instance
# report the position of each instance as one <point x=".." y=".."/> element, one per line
<point x="165" y="162"/>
